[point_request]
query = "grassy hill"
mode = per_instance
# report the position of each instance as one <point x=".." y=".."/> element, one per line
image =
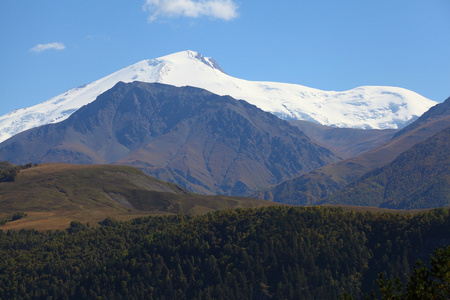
<point x="53" y="195"/>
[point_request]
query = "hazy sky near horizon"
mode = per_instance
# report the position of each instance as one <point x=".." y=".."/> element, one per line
<point x="50" y="46"/>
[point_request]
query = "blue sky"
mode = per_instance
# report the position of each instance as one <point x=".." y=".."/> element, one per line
<point x="50" y="46"/>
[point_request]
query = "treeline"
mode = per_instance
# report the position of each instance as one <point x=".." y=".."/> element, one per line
<point x="17" y="216"/>
<point x="264" y="253"/>
<point x="9" y="172"/>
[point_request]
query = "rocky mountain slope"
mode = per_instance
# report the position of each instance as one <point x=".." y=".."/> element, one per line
<point x="363" y="107"/>
<point x="206" y="143"/>
<point x="313" y="187"/>
<point x="418" y="178"/>
<point x="347" y="142"/>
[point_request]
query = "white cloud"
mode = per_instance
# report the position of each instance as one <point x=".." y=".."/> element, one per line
<point x="219" y="9"/>
<point x="43" y="47"/>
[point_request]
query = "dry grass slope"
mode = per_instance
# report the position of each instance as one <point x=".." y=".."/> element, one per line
<point x="53" y="195"/>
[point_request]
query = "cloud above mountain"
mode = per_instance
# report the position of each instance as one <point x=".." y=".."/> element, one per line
<point x="49" y="46"/>
<point x="217" y="9"/>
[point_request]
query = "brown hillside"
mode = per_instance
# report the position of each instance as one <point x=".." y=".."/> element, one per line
<point x="206" y="143"/>
<point x="311" y="188"/>
<point x="55" y="194"/>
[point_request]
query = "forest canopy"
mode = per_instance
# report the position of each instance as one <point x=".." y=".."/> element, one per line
<point x="263" y="253"/>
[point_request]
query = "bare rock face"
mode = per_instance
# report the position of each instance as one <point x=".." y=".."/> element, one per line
<point x="207" y="143"/>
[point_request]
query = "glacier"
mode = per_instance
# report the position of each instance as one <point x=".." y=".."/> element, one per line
<point x="366" y="107"/>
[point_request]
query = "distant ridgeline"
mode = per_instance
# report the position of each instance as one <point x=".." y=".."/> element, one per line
<point x="265" y="253"/>
<point x="9" y="172"/>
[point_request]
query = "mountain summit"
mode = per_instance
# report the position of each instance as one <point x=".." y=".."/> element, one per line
<point x="363" y="107"/>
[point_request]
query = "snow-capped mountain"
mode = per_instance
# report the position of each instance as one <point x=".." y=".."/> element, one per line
<point x="363" y="107"/>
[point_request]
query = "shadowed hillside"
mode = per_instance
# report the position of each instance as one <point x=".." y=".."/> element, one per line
<point x="418" y="178"/>
<point x="313" y="187"/>
<point x="347" y="142"/>
<point x="206" y="143"/>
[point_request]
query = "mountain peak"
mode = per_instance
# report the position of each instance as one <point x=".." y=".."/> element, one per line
<point x="207" y="61"/>
<point x="185" y="58"/>
<point x="364" y="107"/>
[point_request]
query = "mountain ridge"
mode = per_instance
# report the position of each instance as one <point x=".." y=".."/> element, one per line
<point x="347" y="142"/>
<point x="417" y="178"/>
<point x="313" y="187"/>
<point x="206" y="143"/>
<point x="362" y="107"/>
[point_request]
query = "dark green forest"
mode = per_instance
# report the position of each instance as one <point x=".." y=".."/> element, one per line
<point x="263" y="253"/>
<point x="425" y="282"/>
